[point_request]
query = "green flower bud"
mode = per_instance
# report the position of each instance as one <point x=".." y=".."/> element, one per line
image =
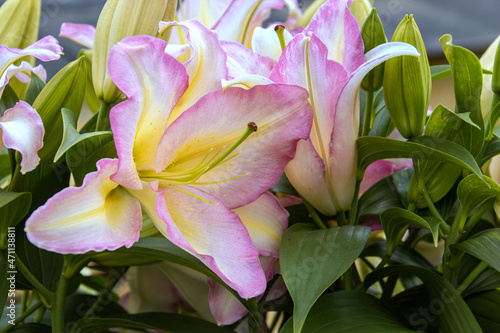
<point x="361" y="10"/>
<point x="19" y="21"/>
<point x="495" y="80"/>
<point x="120" y="19"/>
<point x="407" y="82"/>
<point x="373" y="35"/>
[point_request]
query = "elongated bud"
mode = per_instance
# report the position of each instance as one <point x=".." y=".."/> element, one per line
<point x="495" y="80"/>
<point x="120" y="19"/>
<point x="19" y="21"/>
<point x="373" y="35"/>
<point x="407" y="82"/>
<point x="361" y="10"/>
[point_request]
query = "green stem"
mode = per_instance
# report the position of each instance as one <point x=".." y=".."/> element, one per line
<point x="477" y="215"/>
<point x="112" y="279"/>
<point x="368" y="120"/>
<point x="450" y="240"/>
<point x="57" y="311"/>
<point x="102" y="123"/>
<point x="24" y="315"/>
<point x="44" y="292"/>
<point x="348" y="279"/>
<point x="443" y="226"/>
<point x="382" y="263"/>
<point x="314" y="215"/>
<point x="24" y="301"/>
<point x="341" y="218"/>
<point x="472" y="276"/>
<point x="353" y="212"/>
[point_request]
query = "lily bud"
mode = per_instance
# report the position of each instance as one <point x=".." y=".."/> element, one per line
<point x="19" y="21"/>
<point x="361" y="10"/>
<point x="407" y="82"/>
<point x="487" y="62"/>
<point x="120" y="19"/>
<point x="373" y="35"/>
<point x="495" y="79"/>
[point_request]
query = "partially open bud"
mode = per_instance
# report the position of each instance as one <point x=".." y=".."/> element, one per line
<point x="361" y="10"/>
<point x="373" y="35"/>
<point x="407" y="82"/>
<point x="120" y="19"/>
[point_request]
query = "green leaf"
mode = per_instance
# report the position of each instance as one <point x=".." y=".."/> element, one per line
<point x="158" y="321"/>
<point x="467" y="83"/>
<point x="8" y="100"/>
<point x="34" y="89"/>
<point x="492" y="149"/>
<point x="484" y="245"/>
<point x="311" y="260"/>
<point x="5" y="170"/>
<point x="284" y="186"/>
<point x="402" y="255"/>
<point x="71" y="137"/>
<point x="439" y="72"/>
<point x="353" y="312"/>
<point x="371" y="149"/>
<point x="31" y="328"/>
<point x="486" y="307"/>
<point x="4" y="283"/>
<point x="13" y="207"/>
<point x="472" y="191"/>
<point x="494" y="116"/>
<point x="401" y="180"/>
<point x="395" y="222"/>
<point x="454" y="314"/>
<point x="488" y="280"/>
<point x="379" y="197"/>
<point x="382" y="125"/>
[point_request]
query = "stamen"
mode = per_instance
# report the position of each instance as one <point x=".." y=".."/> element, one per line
<point x="190" y="194"/>
<point x="281" y="35"/>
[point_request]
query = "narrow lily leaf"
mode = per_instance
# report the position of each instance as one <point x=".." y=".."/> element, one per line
<point x="284" y="186"/>
<point x="4" y="167"/>
<point x="467" y="82"/>
<point x="496" y="132"/>
<point x="382" y="125"/>
<point x="402" y="255"/>
<point x="472" y="191"/>
<point x="379" y="197"/>
<point x="487" y="280"/>
<point x="485" y="246"/>
<point x="454" y="315"/>
<point x="8" y="100"/>
<point x="35" y="87"/>
<point x="157" y="321"/>
<point x="311" y="260"/>
<point x="395" y="222"/>
<point x="163" y="249"/>
<point x="494" y="116"/>
<point x="13" y="207"/>
<point x="4" y="283"/>
<point x="71" y="137"/>
<point x="486" y="307"/>
<point x="32" y="328"/>
<point x="439" y="72"/>
<point x="342" y="312"/>
<point x="371" y="149"/>
<point x="492" y="149"/>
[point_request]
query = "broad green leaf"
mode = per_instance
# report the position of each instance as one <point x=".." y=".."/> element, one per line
<point x="402" y="255"/>
<point x="82" y="157"/>
<point x="472" y="191"/>
<point x="484" y="245"/>
<point x="35" y="87"/>
<point x="454" y="314"/>
<point x="496" y="132"/>
<point x="13" y="207"/>
<point x="155" y="249"/>
<point x="65" y="90"/>
<point x="395" y="222"/>
<point x="444" y="123"/>
<point x="311" y="260"/>
<point x="379" y="197"/>
<point x="371" y="149"/>
<point x="486" y="307"/>
<point x="158" y="321"/>
<point x="8" y="100"/>
<point x="467" y="83"/>
<point x="439" y="72"/>
<point x="71" y="137"/>
<point x="284" y="186"/>
<point x="488" y="280"/>
<point x="382" y="125"/>
<point x="353" y="312"/>
<point x="401" y="180"/>
<point x="492" y="149"/>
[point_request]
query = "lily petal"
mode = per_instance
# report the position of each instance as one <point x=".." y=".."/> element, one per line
<point x="207" y="11"/>
<point x="282" y="115"/>
<point x="206" y="67"/>
<point x="334" y="24"/>
<point x="242" y="16"/>
<point x="246" y="82"/>
<point x="267" y="43"/>
<point x="22" y="130"/>
<point x="203" y="227"/>
<point x="46" y="49"/>
<point x="83" y="34"/>
<point x="242" y="61"/>
<point x="153" y="82"/>
<point x="381" y="169"/>
<point x="307" y="173"/>
<point x="343" y="152"/>
<point x="22" y="73"/>
<point x="97" y="216"/>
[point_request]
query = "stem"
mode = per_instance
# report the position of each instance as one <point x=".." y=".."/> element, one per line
<point x="44" y="292"/>
<point x="382" y="263"/>
<point x="341" y="218"/>
<point x="57" y="312"/>
<point x="443" y="226"/>
<point x="24" y="301"/>
<point x="348" y="279"/>
<point x="102" y="123"/>
<point x="472" y="276"/>
<point x="112" y="279"/>
<point x="367" y="124"/>
<point x="477" y="215"/>
<point x="353" y="212"/>
<point x="23" y="316"/>
<point x="314" y="215"/>
<point x="452" y="238"/>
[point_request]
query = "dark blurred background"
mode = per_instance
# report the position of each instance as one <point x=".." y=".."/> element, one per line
<point x="473" y="24"/>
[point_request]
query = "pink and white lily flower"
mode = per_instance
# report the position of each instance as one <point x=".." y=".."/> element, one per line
<point x="328" y="60"/>
<point x="187" y="162"/>
<point x="21" y="127"/>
